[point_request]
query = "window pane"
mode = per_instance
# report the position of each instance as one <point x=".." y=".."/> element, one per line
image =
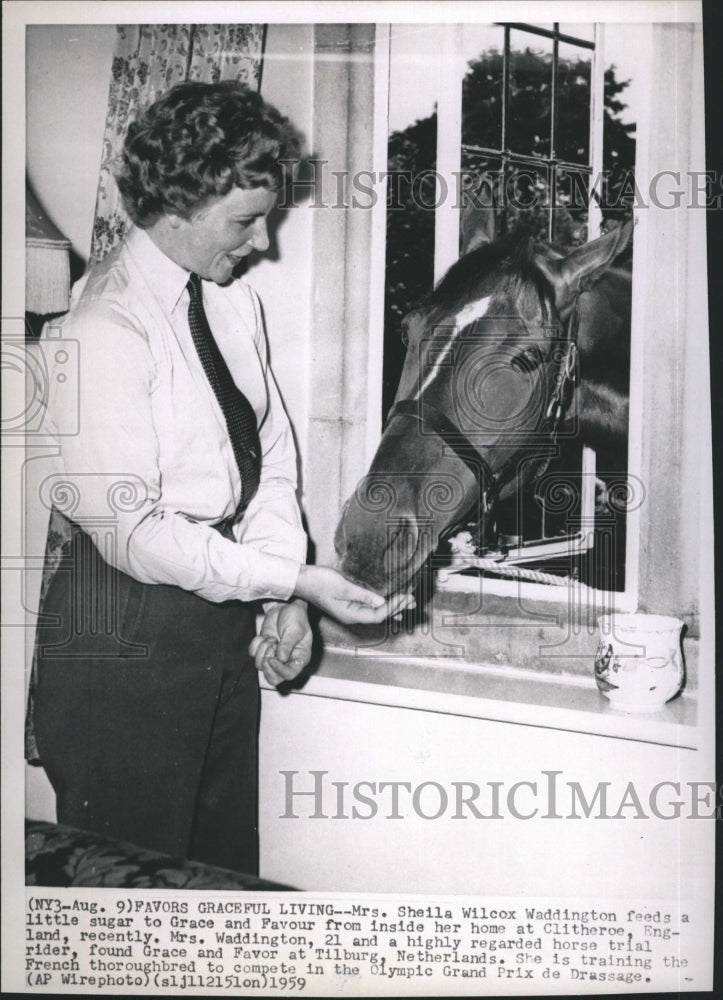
<point x="528" y="198"/>
<point x="528" y="121"/>
<point x="413" y="73"/>
<point x="572" y="132"/>
<point x="482" y="51"/>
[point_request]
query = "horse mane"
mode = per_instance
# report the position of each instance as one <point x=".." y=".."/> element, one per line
<point x="514" y="257"/>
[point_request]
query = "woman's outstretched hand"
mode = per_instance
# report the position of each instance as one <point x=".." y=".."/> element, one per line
<point x="346" y="601"/>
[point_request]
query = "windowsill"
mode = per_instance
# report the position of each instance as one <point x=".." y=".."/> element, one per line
<point x="500" y="659"/>
<point x="494" y="693"/>
<point x="517" y="631"/>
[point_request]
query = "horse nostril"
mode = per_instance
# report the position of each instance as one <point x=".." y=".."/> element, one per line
<point x="401" y="545"/>
<point x="374" y="548"/>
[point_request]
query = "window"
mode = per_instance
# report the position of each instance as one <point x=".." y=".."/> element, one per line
<point x="532" y="108"/>
<point x="490" y="621"/>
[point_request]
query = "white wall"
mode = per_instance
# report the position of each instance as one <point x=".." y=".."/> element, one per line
<point x="68" y="73"/>
<point x="585" y="858"/>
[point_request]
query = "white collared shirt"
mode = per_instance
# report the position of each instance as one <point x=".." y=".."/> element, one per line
<point x="152" y="453"/>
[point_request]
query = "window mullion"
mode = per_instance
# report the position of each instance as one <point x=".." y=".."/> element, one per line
<point x="505" y="115"/>
<point x="449" y="150"/>
<point x="597" y="106"/>
<point x="552" y="170"/>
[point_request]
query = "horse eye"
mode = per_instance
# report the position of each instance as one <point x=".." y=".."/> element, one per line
<point x="528" y="360"/>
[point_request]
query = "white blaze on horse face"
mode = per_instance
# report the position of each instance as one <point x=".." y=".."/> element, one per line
<point x="471" y="312"/>
<point x="467" y="314"/>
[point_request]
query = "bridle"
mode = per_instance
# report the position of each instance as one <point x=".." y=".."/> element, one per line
<point x="489" y="483"/>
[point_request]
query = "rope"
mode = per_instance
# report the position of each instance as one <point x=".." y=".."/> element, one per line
<point x="518" y="572"/>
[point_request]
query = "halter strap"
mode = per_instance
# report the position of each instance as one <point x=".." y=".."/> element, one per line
<point x="463" y="448"/>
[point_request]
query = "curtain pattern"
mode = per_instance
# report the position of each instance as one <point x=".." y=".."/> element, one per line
<point x="149" y="59"/>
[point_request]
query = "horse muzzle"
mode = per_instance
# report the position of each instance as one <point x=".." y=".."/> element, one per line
<point x="382" y="551"/>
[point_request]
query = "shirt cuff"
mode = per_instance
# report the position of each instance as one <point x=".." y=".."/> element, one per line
<point x="278" y="573"/>
<point x="268" y="605"/>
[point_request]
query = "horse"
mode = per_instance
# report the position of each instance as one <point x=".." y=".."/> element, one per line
<point x="486" y="392"/>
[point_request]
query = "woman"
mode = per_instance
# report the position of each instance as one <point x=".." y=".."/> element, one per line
<point x="183" y="476"/>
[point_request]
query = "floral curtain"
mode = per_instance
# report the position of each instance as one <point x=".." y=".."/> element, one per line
<point x="149" y="59"/>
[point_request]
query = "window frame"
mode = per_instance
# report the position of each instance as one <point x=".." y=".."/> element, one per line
<point x="446" y="252"/>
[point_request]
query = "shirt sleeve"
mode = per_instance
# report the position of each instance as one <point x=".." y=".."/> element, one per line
<point x="272" y="521"/>
<point x="112" y="483"/>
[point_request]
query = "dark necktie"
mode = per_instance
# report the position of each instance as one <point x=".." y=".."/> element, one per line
<point x="238" y="412"/>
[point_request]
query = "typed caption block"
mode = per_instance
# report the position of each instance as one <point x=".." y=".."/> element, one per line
<point x="143" y="942"/>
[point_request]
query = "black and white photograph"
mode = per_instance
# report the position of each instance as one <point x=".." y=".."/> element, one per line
<point x="358" y="596"/>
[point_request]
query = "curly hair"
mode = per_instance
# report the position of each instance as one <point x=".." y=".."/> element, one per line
<point x="199" y="140"/>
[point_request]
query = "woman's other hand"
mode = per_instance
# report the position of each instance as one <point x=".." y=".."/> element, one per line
<point x="283" y="647"/>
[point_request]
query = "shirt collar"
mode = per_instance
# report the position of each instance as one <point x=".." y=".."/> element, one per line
<point x="166" y="279"/>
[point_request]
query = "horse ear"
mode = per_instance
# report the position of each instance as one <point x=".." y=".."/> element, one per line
<point x="478" y="215"/>
<point x="572" y="274"/>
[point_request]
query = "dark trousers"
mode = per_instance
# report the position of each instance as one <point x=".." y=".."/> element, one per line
<point x="146" y="712"/>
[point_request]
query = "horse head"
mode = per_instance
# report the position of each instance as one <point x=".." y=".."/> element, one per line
<point x="482" y="389"/>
